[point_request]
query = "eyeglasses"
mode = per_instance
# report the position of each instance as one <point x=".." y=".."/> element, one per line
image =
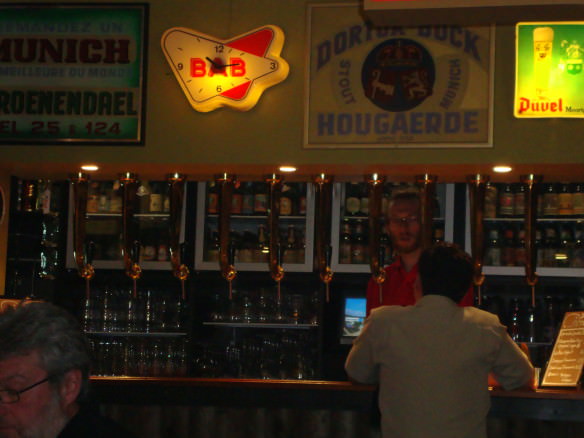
<point x="406" y="220"/>
<point x="12" y="396"/>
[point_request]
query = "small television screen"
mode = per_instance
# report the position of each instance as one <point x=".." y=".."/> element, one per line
<point x="353" y="318"/>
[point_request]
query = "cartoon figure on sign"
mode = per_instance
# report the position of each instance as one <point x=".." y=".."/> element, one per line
<point x="543" y="40"/>
<point x="572" y="59"/>
<point x="398" y="75"/>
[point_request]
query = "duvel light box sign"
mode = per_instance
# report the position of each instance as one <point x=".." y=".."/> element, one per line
<point x="234" y="73"/>
<point x="549" y="79"/>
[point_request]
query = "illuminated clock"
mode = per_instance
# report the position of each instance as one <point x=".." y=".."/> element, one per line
<point x="214" y="73"/>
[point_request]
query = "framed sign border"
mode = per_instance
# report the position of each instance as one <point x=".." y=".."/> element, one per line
<point x="64" y="141"/>
<point x="438" y="145"/>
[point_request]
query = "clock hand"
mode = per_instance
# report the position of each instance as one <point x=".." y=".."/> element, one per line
<point x="230" y="65"/>
<point x="213" y="62"/>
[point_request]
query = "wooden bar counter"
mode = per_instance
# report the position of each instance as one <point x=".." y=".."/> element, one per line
<point x="337" y="398"/>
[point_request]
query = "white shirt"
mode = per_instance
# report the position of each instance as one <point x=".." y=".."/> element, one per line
<point x="432" y="361"/>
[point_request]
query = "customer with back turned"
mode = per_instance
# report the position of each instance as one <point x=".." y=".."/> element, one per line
<point x="431" y="360"/>
<point x="404" y="227"/>
<point x="44" y="375"/>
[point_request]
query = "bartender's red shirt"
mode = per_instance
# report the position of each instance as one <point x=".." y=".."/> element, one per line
<point x="398" y="288"/>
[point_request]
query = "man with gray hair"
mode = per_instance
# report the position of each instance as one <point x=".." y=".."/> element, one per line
<point x="44" y="374"/>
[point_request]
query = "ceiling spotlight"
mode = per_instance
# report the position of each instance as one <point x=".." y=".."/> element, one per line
<point x="502" y="169"/>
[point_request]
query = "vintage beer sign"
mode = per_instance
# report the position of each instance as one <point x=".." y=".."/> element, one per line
<point x="72" y="74"/>
<point x="549" y="75"/>
<point x="390" y="87"/>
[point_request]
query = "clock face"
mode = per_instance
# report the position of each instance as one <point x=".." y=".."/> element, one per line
<point x="215" y="73"/>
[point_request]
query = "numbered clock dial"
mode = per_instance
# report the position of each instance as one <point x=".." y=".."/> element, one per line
<point x="215" y="73"/>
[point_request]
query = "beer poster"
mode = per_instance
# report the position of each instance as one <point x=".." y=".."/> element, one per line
<point x="396" y="86"/>
<point x="72" y="74"/>
<point x="549" y="70"/>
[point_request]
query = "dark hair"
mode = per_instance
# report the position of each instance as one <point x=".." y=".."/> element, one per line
<point x="445" y="269"/>
<point x="50" y="331"/>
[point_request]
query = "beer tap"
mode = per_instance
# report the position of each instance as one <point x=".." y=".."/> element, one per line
<point x="275" y="251"/>
<point x="427" y="185"/>
<point x="532" y="184"/>
<point x="131" y="245"/>
<point x="375" y="189"/>
<point x="225" y="183"/>
<point x="476" y="189"/>
<point x="323" y="194"/>
<point x="83" y="254"/>
<point x="176" y="182"/>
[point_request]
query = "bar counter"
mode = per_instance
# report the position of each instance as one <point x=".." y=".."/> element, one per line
<point x="542" y="404"/>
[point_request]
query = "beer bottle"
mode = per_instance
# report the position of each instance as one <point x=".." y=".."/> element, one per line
<point x="550" y="245"/>
<point x="550" y="320"/>
<point x="578" y="254"/>
<point x="509" y="247"/>
<point x="493" y="253"/>
<point x="103" y="202"/>
<point x="520" y="253"/>
<point x="237" y="200"/>
<point x="116" y="198"/>
<point x="291" y="253"/>
<point x="491" y="201"/>
<point x="155" y="199"/>
<point x="261" y="252"/>
<point x="143" y="194"/>
<point x="539" y="247"/>
<point x="578" y="199"/>
<point x="564" y="254"/>
<point x="247" y="201"/>
<point x="364" y="203"/>
<point x="515" y="317"/>
<point x="286" y="201"/>
<point x="385" y="245"/>
<point x="358" y="246"/>
<point x="506" y="199"/>
<point x="438" y="234"/>
<point x="353" y="199"/>
<point x="532" y="329"/>
<point x="260" y="199"/>
<point x="301" y="207"/>
<point x="550" y="200"/>
<point x="212" y="199"/>
<point x="248" y="244"/>
<point x="93" y="197"/>
<point x="519" y="200"/>
<point x="565" y="201"/>
<point x="345" y="244"/>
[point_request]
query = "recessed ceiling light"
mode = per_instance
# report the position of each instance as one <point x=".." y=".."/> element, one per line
<point x="90" y="167"/>
<point x="287" y="169"/>
<point x="502" y="169"/>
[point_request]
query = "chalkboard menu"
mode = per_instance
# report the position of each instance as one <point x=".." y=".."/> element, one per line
<point x="565" y="364"/>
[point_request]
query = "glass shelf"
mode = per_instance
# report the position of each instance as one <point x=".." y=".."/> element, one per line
<point x="137" y="334"/>
<point x="261" y="325"/>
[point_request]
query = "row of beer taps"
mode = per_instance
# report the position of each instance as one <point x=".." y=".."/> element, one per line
<point x="322" y="183"/>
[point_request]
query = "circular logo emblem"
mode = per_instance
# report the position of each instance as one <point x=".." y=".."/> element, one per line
<point x="398" y="74"/>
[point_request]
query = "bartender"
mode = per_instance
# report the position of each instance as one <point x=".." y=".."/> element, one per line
<point x="403" y="219"/>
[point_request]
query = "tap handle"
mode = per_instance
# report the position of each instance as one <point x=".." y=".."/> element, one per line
<point x="183" y="253"/>
<point x="136" y="251"/>
<point x="328" y="254"/>
<point x="89" y="252"/>
<point x="381" y="257"/>
<point x="231" y="253"/>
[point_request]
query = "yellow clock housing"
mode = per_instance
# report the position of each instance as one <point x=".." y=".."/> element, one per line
<point x="214" y="73"/>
